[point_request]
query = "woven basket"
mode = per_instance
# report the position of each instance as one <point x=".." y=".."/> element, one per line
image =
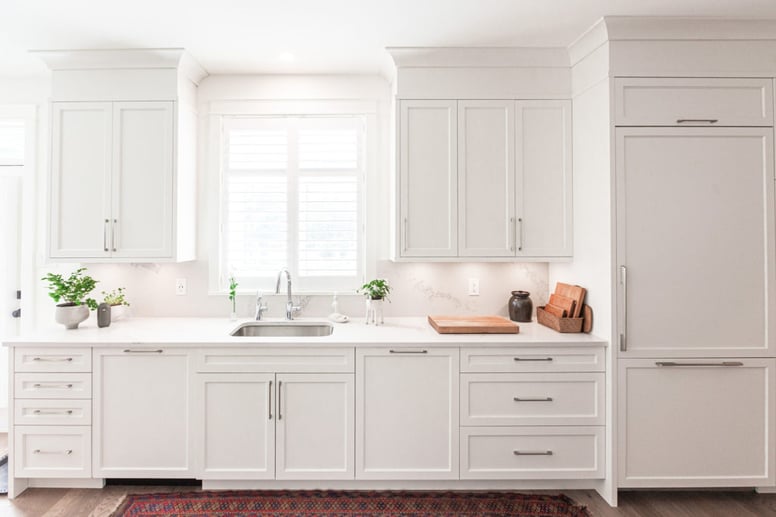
<point x="564" y="325"/>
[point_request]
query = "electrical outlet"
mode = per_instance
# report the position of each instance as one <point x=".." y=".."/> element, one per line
<point x="180" y="286"/>
<point x="474" y="287"/>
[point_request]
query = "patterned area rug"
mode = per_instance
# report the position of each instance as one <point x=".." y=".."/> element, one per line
<point x="315" y="503"/>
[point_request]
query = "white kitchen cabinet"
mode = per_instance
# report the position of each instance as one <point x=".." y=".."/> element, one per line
<point x="141" y="413"/>
<point x="695" y="242"/>
<point x="113" y="181"/>
<point x="696" y="423"/>
<point x="428" y="212"/>
<point x="407" y="413"/>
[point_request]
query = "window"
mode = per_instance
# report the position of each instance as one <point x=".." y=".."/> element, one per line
<point x="292" y="196"/>
<point x="12" y="143"/>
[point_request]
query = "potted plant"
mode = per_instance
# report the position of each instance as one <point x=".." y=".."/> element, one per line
<point x="118" y="303"/>
<point x="72" y="292"/>
<point x="376" y="291"/>
<point x="233" y="296"/>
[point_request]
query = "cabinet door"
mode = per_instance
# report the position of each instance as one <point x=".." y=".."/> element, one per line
<point x="486" y="179"/>
<point x="235" y="426"/>
<point x="407" y="413"/>
<point x="691" y="425"/>
<point x="543" y="177"/>
<point x="695" y="241"/>
<point x="315" y="426"/>
<point x="428" y="179"/>
<point x="142" y="190"/>
<point x="141" y="413"/>
<point x="80" y="180"/>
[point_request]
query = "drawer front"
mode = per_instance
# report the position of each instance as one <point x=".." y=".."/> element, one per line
<point x="317" y="360"/>
<point x="532" y="399"/>
<point x="52" y="412"/>
<point x="532" y="453"/>
<point x="53" y="385"/>
<point x="566" y="359"/>
<point x="52" y="359"/>
<point x="52" y="452"/>
<point x="693" y="102"/>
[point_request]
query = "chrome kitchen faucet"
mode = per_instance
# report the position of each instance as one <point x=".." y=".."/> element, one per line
<point x="291" y="309"/>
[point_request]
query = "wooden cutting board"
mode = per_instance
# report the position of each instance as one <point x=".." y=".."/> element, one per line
<point x="473" y="325"/>
<point x="574" y="292"/>
<point x="564" y="303"/>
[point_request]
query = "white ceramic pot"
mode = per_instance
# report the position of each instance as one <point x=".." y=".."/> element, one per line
<point x="71" y="315"/>
<point x="118" y="312"/>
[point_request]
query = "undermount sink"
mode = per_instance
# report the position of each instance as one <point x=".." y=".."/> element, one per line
<point x="283" y="329"/>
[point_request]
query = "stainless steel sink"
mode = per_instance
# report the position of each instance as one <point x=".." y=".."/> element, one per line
<point x="283" y="329"/>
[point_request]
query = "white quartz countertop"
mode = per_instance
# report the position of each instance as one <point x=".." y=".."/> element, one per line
<point x="215" y="331"/>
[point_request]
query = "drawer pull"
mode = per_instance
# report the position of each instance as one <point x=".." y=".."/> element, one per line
<point x="408" y="351"/>
<point x="722" y="363"/>
<point x="52" y="386"/>
<point x="532" y="453"/>
<point x="533" y="399"/>
<point x="67" y="452"/>
<point x="53" y="412"/>
<point x="697" y="120"/>
<point x="533" y="358"/>
<point x="131" y="351"/>
<point x="53" y="359"/>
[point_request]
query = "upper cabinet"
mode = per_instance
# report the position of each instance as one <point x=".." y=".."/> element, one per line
<point x="484" y="179"/>
<point x="123" y="148"/>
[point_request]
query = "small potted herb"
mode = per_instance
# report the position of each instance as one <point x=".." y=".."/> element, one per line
<point x="233" y="296"/>
<point x="375" y="291"/>
<point x="118" y="303"/>
<point x="73" y="293"/>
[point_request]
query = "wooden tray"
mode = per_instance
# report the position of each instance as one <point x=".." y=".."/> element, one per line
<point x="473" y="325"/>
<point x="563" y="325"/>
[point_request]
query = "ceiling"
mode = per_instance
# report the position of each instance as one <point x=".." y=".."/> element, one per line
<point x="315" y="36"/>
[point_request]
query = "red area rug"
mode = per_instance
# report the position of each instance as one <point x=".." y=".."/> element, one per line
<point x="315" y="503"/>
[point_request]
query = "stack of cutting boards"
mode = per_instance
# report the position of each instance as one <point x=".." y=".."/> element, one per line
<point x="566" y="301"/>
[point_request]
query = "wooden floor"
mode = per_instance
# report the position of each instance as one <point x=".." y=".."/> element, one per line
<point x="50" y="502"/>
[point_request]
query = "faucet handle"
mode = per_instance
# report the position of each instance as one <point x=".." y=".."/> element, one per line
<point x="260" y="309"/>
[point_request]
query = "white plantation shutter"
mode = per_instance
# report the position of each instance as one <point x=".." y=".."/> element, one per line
<point x="292" y="197"/>
<point x="12" y="142"/>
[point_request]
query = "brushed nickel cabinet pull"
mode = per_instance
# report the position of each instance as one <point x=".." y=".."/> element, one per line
<point x="66" y="451"/>
<point x="520" y="223"/>
<point x="53" y="359"/>
<point x="53" y="412"/>
<point x="532" y="453"/>
<point x="113" y="233"/>
<point x="533" y="399"/>
<point x="133" y="351"/>
<point x="105" y="235"/>
<point x="624" y="333"/>
<point x="533" y="358"/>
<point x="53" y="386"/>
<point x="721" y="363"/>
<point x="697" y="121"/>
<point x="408" y="351"/>
<point x="269" y="402"/>
<point x="280" y="393"/>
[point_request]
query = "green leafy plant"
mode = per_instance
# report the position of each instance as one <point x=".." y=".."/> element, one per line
<point x="233" y="291"/>
<point x="115" y="297"/>
<point x="376" y="289"/>
<point x="72" y="290"/>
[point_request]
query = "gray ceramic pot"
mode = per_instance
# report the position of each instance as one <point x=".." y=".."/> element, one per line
<point x="71" y="315"/>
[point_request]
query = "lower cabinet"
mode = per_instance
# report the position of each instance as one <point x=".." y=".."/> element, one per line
<point x="275" y="426"/>
<point x="141" y="413"/>
<point x="696" y="423"/>
<point x="407" y="413"/>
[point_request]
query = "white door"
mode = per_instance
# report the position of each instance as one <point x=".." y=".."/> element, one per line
<point x="315" y="426"/>
<point x="141" y="413"/>
<point x="236" y="425"/>
<point x="696" y="423"/>
<point x="80" y="179"/>
<point x="407" y="413"/>
<point x="695" y="241"/>
<point x="428" y="179"/>
<point x="142" y="190"/>
<point x="486" y="178"/>
<point x="543" y="178"/>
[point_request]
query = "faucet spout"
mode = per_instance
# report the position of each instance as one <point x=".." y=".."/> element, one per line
<point x="291" y="309"/>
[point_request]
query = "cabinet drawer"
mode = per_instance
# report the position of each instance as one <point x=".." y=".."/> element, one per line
<point x="693" y="102"/>
<point x="566" y="359"/>
<point x="52" y="359"/>
<point x="52" y="385"/>
<point x="532" y="399"/>
<point x="52" y="412"/>
<point x="280" y="360"/>
<point x="52" y="451"/>
<point x="532" y="453"/>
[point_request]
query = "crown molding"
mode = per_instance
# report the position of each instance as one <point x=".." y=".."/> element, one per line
<point x="479" y="57"/>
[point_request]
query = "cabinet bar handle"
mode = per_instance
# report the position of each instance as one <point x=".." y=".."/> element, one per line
<point x="52" y="386"/>
<point x="512" y="234"/>
<point x="280" y="407"/>
<point x="533" y="358"/>
<point x="53" y="359"/>
<point x="697" y="120"/>
<point x="532" y="453"/>
<point x="520" y="224"/>
<point x="624" y="333"/>
<point x="533" y="399"/>
<point x="113" y="232"/>
<point x="721" y="363"/>
<point x="408" y="351"/>
<point x="52" y="412"/>
<point x="269" y="402"/>
<point x="105" y="235"/>
<point x="406" y="235"/>
<point x="133" y="351"/>
<point x="66" y="451"/>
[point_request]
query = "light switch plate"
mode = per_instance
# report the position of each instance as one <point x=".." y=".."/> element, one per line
<point x="474" y="287"/>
